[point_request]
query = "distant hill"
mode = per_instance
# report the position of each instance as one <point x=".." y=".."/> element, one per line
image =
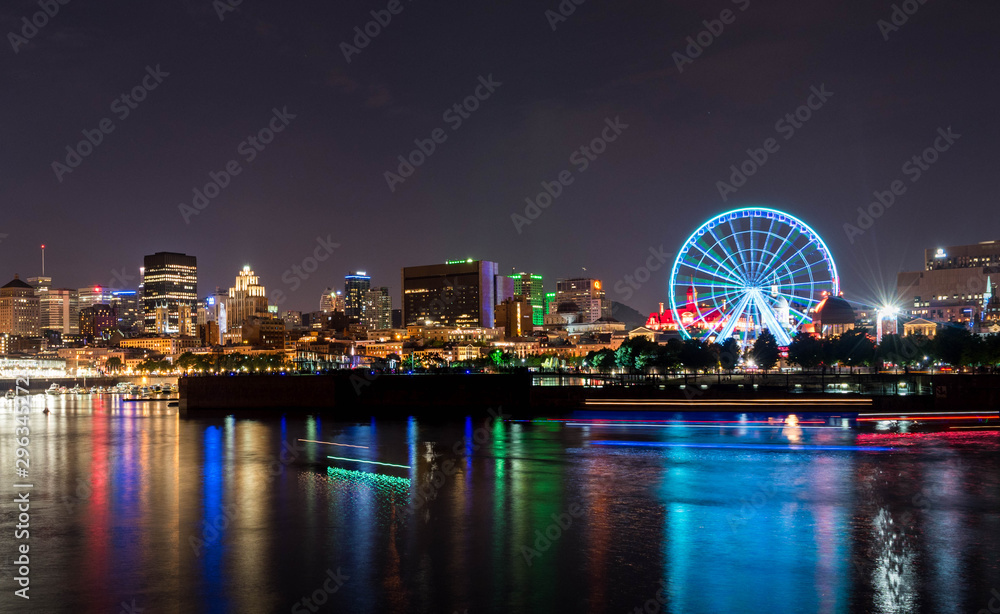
<point x="624" y="313"/>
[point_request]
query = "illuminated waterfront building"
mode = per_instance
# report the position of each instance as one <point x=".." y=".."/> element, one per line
<point x="127" y="311"/>
<point x="515" y="316"/>
<point x="953" y="284"/>
<point x="459" y="294"/>
<point x="97" y="322"/>
<point x="530" y="286"/>
<point x="377" y="309"/>
<point x="585" y="293"/>
<point x="246" y="299"/>
<point x="168" y="281"/>
<point x="19" y="308"/>
<point x="60" y="311"/>
<point x="355" y="287"/>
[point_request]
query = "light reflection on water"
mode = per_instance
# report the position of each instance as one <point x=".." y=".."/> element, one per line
<point x="222" y="514"/>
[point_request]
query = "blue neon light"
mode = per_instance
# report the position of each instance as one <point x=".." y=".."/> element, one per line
<point x="740" y="446"/>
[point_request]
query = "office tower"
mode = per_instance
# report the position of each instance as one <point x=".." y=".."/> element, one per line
<point x="377" y="309"/>
<point x="515" y="316"/>
<point x="247" y="298"/>
<point x="60" y="311"/>
<point x="127" y="311"/>
<point x="550" y="302"/>
<point x="328" y="300"/>
<point x="97" y="322"/>
<point x="168" y="281"/>
<point x="19" y="309"/>
<point x="459" y="293"/>
<point x="94" y="295"/>
<point x="355" y="287"/>
<point x="503" y="288"/>
<point x="588" y="296"/>
<point x="530" y="286"/>
<point x="952" y="286"/>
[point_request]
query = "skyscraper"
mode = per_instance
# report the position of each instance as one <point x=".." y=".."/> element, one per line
<point x="247" y="298"/>
<point x="127" y="311"/>
<point x="377" y="312"/>
<point x="168" y="281"/>
<point x="459" y="293"/>
<point x="355" y="287"/>
<point x="530" y="287"/>
<point x="587" y="294"/>
<point x="19" y="308"/>
<point x="60" y="311"/>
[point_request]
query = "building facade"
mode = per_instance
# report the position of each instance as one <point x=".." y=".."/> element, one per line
<point x="459" y="293"/>
<point x="531" y="287"/>
<point x="586" y="293"/>
<point x="355" y="288"/>
<point x="515" y="315"/>
<point x="246" y="299"/>
<point x="168" y="281"/>
<point x="952" y="286"/>
<point x="19" y="309"/>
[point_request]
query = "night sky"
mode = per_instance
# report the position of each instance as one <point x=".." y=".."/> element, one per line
<point x="323" y="175"/>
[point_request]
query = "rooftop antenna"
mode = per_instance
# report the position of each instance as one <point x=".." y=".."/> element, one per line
<point x="43" y="260"/>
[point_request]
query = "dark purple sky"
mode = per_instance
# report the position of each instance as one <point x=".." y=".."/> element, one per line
<point x="324" y="174"/>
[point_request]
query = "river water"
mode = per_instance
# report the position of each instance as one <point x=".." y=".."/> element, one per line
<point x="134" y="509"/>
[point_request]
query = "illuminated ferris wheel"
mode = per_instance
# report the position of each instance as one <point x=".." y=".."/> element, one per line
<point x="748" y="270"/>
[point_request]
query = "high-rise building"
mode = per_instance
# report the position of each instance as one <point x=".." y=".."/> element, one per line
<point x="377" y="309"/>
<point x="953" y="283"/>
<point x="530" y="286"/>
<point x="94" y="295"/>
<point x="19" y="309"/>
<point x="588" y="296"/>
<point x="458" y="294"/>
<point x="355" y="287"/>
<point x="247" y="298"/>
<point x="515" y="316"/>
<point x="168" y="281"/>
<point x="97" y="322"/>
<point x="127" y="311"/>
<point x="60" y="311"/>
<point x="550" y="302"/>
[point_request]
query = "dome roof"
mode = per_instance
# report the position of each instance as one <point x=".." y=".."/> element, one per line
<point x="834" y="310"/>
<point x="568" y="307"/>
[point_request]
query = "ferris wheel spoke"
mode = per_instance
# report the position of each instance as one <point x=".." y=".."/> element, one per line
<point x="765" y="249"/>
<point x="731" y="275"/>
<point x="787" y="242"/>
<point x="709" y="253"/>
<point x="767" y="317"/>
<point x="734" y="318"/>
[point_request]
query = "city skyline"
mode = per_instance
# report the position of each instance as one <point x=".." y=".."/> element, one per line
<point x="690" y="124"/>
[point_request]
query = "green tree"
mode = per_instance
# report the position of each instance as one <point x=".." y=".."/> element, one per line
<point x="765" y="351"/>
<point x="806" y="350"/>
